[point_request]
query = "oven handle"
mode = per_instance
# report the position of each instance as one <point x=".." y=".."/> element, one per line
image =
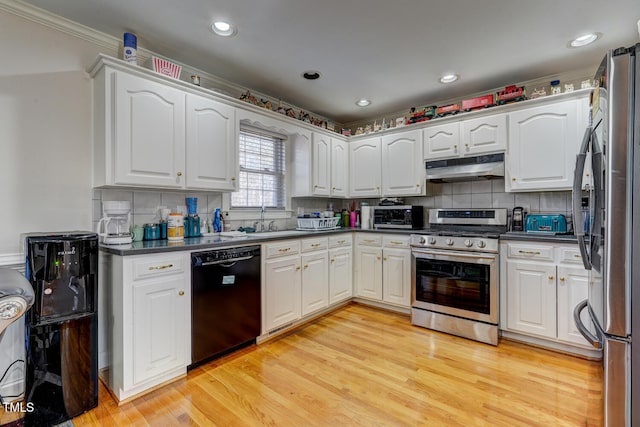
<point x="489" y="257"/>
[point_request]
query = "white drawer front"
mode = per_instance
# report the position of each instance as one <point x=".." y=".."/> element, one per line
<point x="341" y="240"/>
<point x="315" y="244"/>
<point x="529" y="251"/>
<point x="395" y="241"/>
<point x="369" y="240"/>
<point x="287" y="247"/>
<point x="157" y="266"/>
<point x="569" y="254"/>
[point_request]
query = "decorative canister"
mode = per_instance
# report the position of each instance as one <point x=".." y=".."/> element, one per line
<point x="151" y="231"/>
<point x="175" y="226"/>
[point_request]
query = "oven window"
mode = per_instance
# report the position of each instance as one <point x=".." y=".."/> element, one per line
<point x="453" y="284"/>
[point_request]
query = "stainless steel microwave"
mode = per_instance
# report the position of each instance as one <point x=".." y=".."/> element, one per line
<point x="404" y="216"/>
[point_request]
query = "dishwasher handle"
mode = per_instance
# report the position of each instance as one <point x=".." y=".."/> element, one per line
<point x="227" y="262"/>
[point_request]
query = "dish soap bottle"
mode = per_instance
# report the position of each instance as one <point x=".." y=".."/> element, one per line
<point x="217" y="221"/>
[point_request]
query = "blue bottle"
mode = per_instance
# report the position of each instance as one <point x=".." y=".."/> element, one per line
<point x="217" y="221"/>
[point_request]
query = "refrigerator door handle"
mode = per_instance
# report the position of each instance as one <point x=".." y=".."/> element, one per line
<point x="586" y="333"/>
<point x="576" y="196"/>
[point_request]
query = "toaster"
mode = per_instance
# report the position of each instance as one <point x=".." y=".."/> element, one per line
<point x="537" y="223"/>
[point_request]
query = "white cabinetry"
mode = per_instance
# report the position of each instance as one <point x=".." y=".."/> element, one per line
<point x="282" y="283"/>
<point x="402" y="168"/>
<point x="212" y="151"/>
<point x="383" y="268"/>
<point x="482" y="135"/>
<point x="151" y="325"/>
<point x="364" y="167"/>
<point x="339" y="168"/>
<point x="315" y="274"/>
<point x="340" y="268"/>
<point x="321" y="165"/>
<point x="150" y="132"/>
<point x="543" y="143"/>
<point x="541" y="283"/>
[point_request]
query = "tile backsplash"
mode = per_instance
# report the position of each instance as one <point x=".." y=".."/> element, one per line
<point x="474" y="194"/>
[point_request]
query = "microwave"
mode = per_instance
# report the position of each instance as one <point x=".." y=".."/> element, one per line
<point x="398" y="217"/>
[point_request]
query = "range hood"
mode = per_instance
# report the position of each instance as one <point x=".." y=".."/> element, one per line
<point x="466" y="168"/>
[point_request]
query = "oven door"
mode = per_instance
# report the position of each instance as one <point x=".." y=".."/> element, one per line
<point x="463" y="284"/>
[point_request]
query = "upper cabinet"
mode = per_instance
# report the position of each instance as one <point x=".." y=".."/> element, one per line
<point x="482" y="135"/>
<point x="149" y="133"/>
<point x="145" y="121"/>
<point x="339" y="168"/>
<point x="321" y="165"/>
<point x="543" y="143"/>
<point x="364" y="167"/>
<point x="402" y="167"/>
<point x="212" y="154"/>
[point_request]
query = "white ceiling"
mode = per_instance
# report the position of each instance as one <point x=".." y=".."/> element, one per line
<point x="392" y="52"/>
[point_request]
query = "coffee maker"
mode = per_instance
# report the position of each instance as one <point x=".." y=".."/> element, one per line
<point x="114" y="228"/>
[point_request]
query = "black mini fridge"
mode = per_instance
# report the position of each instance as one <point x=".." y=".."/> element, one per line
<point x="62" y="335"/>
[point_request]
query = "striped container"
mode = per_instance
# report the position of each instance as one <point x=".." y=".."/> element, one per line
<point x="165" y="67"/>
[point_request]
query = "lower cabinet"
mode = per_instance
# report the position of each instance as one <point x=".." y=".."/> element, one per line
<point x="541" y="284"/>
<point x="383" y="268"/>
<point x="305" y="276"/>
<point x="150" y="330"/>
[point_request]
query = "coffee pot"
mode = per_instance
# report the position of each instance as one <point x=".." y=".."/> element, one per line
<point x="114" y="226"/>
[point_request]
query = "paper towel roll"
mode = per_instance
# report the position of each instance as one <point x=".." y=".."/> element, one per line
<point x="365" y="217"/>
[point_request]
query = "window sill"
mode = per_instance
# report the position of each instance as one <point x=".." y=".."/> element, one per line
<point x="247" y="214"/>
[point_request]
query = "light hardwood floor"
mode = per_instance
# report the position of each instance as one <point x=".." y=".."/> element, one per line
<point x="361" y="366"/>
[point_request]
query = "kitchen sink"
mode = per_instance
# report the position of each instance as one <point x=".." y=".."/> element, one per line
<point x="283" y="233"/>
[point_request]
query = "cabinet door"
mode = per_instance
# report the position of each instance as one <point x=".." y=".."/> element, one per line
<point x="396" y="276"/>
<point x="301" y="169"/>
<point x="212" y="146"/>
<point x="531" y="298"/>
<point x="340" y="275"/>
<point x="339" y="168"/>
<point x="402" y="168"/>
<point x="543" y="143"/>
<point x="160" y="319"/>
<point x="315" y="282"/>
<point x="364" y="167"/>
<point x="573" y="288"/>
<point x="369" y="272"/>
<point x="442" y="141"/>
<point x="321" y="165"/>
<point x="484" y="135"/>
<point x="282" y="284"/>
<point x="149" y="142"/>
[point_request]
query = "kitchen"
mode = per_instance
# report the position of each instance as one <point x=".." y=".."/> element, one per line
<point x="49" y="69"/>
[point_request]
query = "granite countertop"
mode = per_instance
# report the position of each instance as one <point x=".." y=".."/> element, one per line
<point x="539" y="237"/>
<point x="215" y="241"/>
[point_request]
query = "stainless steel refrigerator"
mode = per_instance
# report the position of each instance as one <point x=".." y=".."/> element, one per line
<point x="609" y="231"/>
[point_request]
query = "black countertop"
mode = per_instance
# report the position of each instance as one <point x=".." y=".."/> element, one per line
<point x="215" y="241"/>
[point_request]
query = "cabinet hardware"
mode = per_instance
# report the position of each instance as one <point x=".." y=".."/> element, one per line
<point x="588" y="174"/>
<point x="368" y="240"/>
<point x="378" y="258"/>
<point x="179" y="173"/>
<point x="233" y="179"/>
<point x="513" y="179"/>
<point x="333" y="260"/>
<point x="284" y="250"/>
<point x="181" y="293"/>
<point x="562" y="279"/>
<point x="550" y="277"/>
<point x="384" y="259"/>
<point x="160" y="267"/>
<point x="455" y="148"/>
<point x="417" y="185"/>
<point x="306" y="266"/>
<point x="341" y="241"/>
<point x="315" y="186"/>
<point x="395" y="242"/>
<point x="466" y="146"/>
<point x="529" y="252"/>
<point x="333" y="188"/>
<point x="298" y="268"/>
<point x="315" y="245"/>
<point x="577" y="256"/>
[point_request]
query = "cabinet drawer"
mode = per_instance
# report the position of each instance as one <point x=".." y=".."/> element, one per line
<point x="369" y="240"/>
<point x="287" y="247"/>
<point x="315" y="244"/>
<point x="569" y="254"/>
<point x="528" y="251"/>
<point x="157" y="266"/>
<point x="341" y="240"/>
<point x="395" y="241"/>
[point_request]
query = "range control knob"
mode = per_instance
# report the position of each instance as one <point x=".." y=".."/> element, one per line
<point x="449" y="242"/>
<point x="481" y="244"/>
<point x="422" y="241"/>
<point x="468" y="243"/>
<point x="432" y="240"/>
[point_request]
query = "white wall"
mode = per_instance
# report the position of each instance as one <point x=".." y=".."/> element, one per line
<point x="45" y="131"/>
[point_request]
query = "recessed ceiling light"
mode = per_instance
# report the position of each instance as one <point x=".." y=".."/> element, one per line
<point x="448" y="78"/>
<point x="311" y="75"/>
<point x="363" y="102"/>
<point x="584" y="40"/>
<point x="223" y="28"/>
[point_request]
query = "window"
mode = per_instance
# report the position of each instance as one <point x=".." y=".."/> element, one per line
<point x="262" y="171"/>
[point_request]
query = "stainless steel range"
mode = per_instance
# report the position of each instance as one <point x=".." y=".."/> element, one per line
<point x="455" y="264"/>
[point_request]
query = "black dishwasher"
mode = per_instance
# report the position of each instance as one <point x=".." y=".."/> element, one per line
<point x="225" y="301"/>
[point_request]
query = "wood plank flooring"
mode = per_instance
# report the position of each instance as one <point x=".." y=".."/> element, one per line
<point x="362" y="366"/>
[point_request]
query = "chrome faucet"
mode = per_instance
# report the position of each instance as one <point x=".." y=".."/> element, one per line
<point x="262" y="211"/>
<point x="272" y="226"/>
